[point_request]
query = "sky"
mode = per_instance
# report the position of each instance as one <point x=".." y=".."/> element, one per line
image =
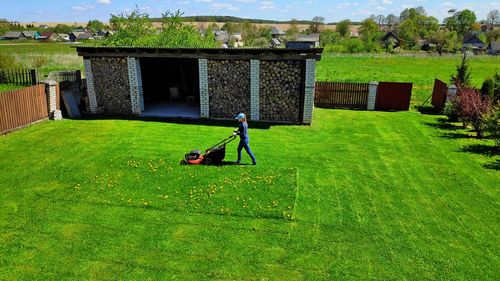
<point x="331" y="10"/>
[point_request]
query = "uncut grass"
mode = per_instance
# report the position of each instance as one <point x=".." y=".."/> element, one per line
<point x="9" y="87"/>
<point x="161" y="184"/>
<point x="378" y="196"/>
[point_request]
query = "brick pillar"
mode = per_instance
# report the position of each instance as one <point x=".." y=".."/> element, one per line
<point x="310" y="85"/>
<point x="372" y="95"/>
<point x="254" y="89"/>
<point x="135" y="82"/>
<point x="90" y="85"/>
<point x="50" y="91"/>
<point x="204" y="95"/>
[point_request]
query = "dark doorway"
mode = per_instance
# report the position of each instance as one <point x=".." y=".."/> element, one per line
<point x="170" y="87"/>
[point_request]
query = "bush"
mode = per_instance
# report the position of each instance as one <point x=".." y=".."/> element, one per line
<point x="492" y="124"/>
<point x="491" y="88"/>
<point x="354" y="46"/>
<point x="473" y="108"/>
<point x="463" y="73"/>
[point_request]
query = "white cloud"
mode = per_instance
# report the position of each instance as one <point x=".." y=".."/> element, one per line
<point x="203" y="1"/>
<point x="387" y="1"/>
<point x="225" y="6"/>
<point x="267" y="5"/>
<point x="107" y="2"/>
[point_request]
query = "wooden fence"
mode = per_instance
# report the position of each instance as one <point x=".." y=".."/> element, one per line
<point x="22" y="107"/>
<point x="19" y="76"/>
<point x="341" y="95"/>
<point x="393" y="96"/>
<point x="66" y="75"/>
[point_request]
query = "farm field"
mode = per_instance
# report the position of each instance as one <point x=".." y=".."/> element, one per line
<point x="45" y="57"/>
<point x="357" y="195"/>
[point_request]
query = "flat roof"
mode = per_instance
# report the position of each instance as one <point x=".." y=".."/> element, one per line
<point x="203" y="53"/>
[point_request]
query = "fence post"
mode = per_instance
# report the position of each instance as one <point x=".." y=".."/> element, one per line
<point x="452" y="91"/>
<point x="372" y="95"/>
<point x="309" y="91"/>
<point x="50" y="91"/>
<point x="34" y="76"/>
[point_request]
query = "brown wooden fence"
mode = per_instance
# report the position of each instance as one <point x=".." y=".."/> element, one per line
<point x="393" y="96"/>
<point x="439" y="94"/>
<point x="22" y="107"/>
<point x="341" y="95"/>
<point x="19" y="76"/>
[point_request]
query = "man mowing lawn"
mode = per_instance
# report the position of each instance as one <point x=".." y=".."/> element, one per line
<point x="244" y="140"/>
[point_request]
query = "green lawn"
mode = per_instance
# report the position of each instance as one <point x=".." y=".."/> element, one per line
<point x="421" y="70"/>
<point x="358" y="195"/>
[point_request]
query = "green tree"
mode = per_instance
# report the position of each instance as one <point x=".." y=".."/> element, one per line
<point x="293" y="30"/>
<point x="444" y="40"/>
<point x="369" y="34"/>
<point x="328" y="37"/>
<point x="343" y="28"/>
<point x="460" y="21"/>
<point x="316" y="23"/>
<point x="462" y="76"/>
<point x="62" y="28"/>
<point x="136" y="29"/>
<point x="95" y="25"/>
<point x="493" y="18"/>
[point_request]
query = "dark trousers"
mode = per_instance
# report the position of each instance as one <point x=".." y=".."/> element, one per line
<point x="244" y="144"/>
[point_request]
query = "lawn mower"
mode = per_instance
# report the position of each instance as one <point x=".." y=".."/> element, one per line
<point x="213" y="156"/>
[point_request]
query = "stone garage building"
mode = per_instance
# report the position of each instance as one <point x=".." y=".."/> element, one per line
<point x="274" y="85"/>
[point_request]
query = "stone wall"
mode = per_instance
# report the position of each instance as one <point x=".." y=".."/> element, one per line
<point x="229" y="88"/>
<point x="280" y="90"/>
<point x="111" y="85"/>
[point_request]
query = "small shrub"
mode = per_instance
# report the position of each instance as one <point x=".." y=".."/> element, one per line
<point x="492" y="124"/>
<point x="473" y="108"/>
<point x="463" y="73"/>
<point x="354" y="46"/>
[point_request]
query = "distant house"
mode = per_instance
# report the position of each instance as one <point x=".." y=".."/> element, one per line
<point x="44" y="26"/>
<point x="275" y="42"/>
<point x="49" y="36"/>
<point x="472" y="42"/>
<point x="63" y="36"/>
<point x="13" y="35"/>
<point x="391" y="38"/>
<point x="80" y="35"/>
<point x="426" y="45"/>
<point x="104" y="33"/>
<point x="276" y="32"/>
<point x="493" y="48"/>
<point x="299" y="45"/>
<point x="312" y="39"/>
<point x="31" y="35"/>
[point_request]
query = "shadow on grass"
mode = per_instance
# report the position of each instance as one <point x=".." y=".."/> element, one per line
<point x="444" y="124"/>
<point x="429" y="110"/>
<point x="486" y="150"/>
<point x="493" y="165"/>
<point x="192" y="121"/>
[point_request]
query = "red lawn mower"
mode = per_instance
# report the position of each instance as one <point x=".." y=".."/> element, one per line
<point x="213" y="156"/>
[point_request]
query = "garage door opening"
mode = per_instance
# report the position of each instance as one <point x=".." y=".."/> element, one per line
<point x="170" y="87"/>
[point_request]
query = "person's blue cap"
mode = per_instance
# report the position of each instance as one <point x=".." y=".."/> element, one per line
<point x="240" y="116"/>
